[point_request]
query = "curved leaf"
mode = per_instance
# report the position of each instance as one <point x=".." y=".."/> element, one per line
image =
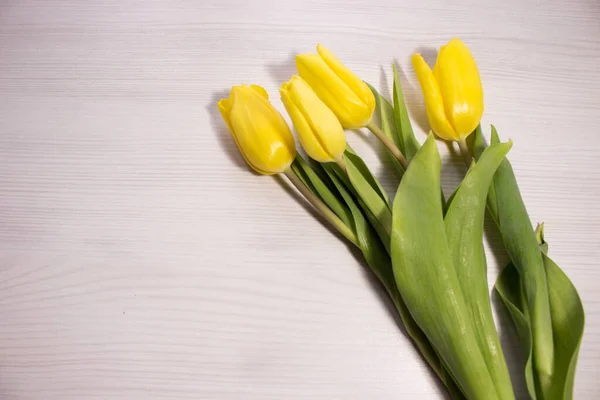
<point x="379" y="261"/>
<point x="508" y="210"/>
<point x="464" y="230"/>
<point x="426" y="277"/>
<point x="508" y="287"/>
<point x="568" y="321"/>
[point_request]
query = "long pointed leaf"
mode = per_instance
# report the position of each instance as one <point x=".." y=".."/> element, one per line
<point x="408" y="143"/>
<point x="385" y="112"/>
<point x="464" y="229"/>
<point x="508" y="287"/>
<point x="352" y="158"/>
<point x="513" y="222"/>
<point x="426" y="277"/>
<point x="370" y="192"/>
<point x="568" y="320"/>
<point x="380" y="263"/>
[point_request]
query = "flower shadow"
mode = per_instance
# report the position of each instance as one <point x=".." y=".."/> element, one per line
<point x="282" y="72"/>
<point x="429" y="54"/>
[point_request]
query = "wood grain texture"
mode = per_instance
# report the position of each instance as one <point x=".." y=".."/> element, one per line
<point x="140" y="259"/>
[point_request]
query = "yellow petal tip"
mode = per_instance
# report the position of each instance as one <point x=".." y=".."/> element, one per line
<point x="223" y="104"/>
<point x="284" y="87"/>
<point x="261" y="91"/>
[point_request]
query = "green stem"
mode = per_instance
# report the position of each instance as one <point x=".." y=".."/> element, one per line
<point x="322" y="207"/>
<point x="387" y="142"/>
<point x="464" y="149"/>
<point x="342" y="164"/>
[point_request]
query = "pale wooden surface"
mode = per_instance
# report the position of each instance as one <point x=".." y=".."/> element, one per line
<point x="139" y="257"/>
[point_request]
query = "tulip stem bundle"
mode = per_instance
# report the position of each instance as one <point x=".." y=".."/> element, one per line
<point x="388" y="143"/>
<point x="426" y="250"/>
<point x="321" y="207"/>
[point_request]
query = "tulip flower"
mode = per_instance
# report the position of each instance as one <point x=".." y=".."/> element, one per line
<point x="259" y="130"/>
<point x="266" y="142"/>
<point x="340" y="89"/>
<point x="319" y="130"/>
<point x="452" y="91"/>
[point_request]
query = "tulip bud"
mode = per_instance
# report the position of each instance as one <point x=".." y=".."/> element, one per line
<point x="344" y="93"/>
<point x="452" y="91"/>
<point x="259" y="130"/>
<point x="319" y="130"/>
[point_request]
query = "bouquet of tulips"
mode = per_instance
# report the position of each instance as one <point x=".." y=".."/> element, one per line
<point x="425" y="247"/>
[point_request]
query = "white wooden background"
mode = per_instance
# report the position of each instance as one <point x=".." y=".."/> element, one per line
<point x="139" y="258"/>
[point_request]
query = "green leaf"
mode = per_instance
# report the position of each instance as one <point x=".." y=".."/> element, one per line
<point x="539" y="237"/>
<point x="426" y="277"/>
<point x="382" y="231"/>
<point x="408" y="143"/>
<point x="379" y="261"/>
<point x="446" y="203"/>
<point x="370" y="244"/>
<point x="568" y="321"/>
<point x="318" y="187"/>
<point x="508" y="287"/>
<point x="369" y="191"/>
<point x="371" y="196"/>
<point x="478" y="141"/>
<point x="359" y="165"/>
<point x="508" y="210"/>
<point x="479" y="146"/>
<point x="464" y="230"/>
<point x="385" y="113"/>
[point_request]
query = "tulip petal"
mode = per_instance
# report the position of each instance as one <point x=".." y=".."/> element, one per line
<point x="225" y="107"/>
<point x="460" y="86"/>
<point x="434" y="103"/>
<point x="359" y="87"/>
<point x="260" y="90"/>
<point x="325" y="128"/>
<point x="333" y="91"/>
<point x="310" y="143"/>
<point x="260" y="131"/>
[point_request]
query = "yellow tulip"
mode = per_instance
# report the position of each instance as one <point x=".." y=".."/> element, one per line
<point x="259" y="130"/>
<point x="452" y="91"/>
<point x="319" y="130"/>
<point x="345" y="94"/>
